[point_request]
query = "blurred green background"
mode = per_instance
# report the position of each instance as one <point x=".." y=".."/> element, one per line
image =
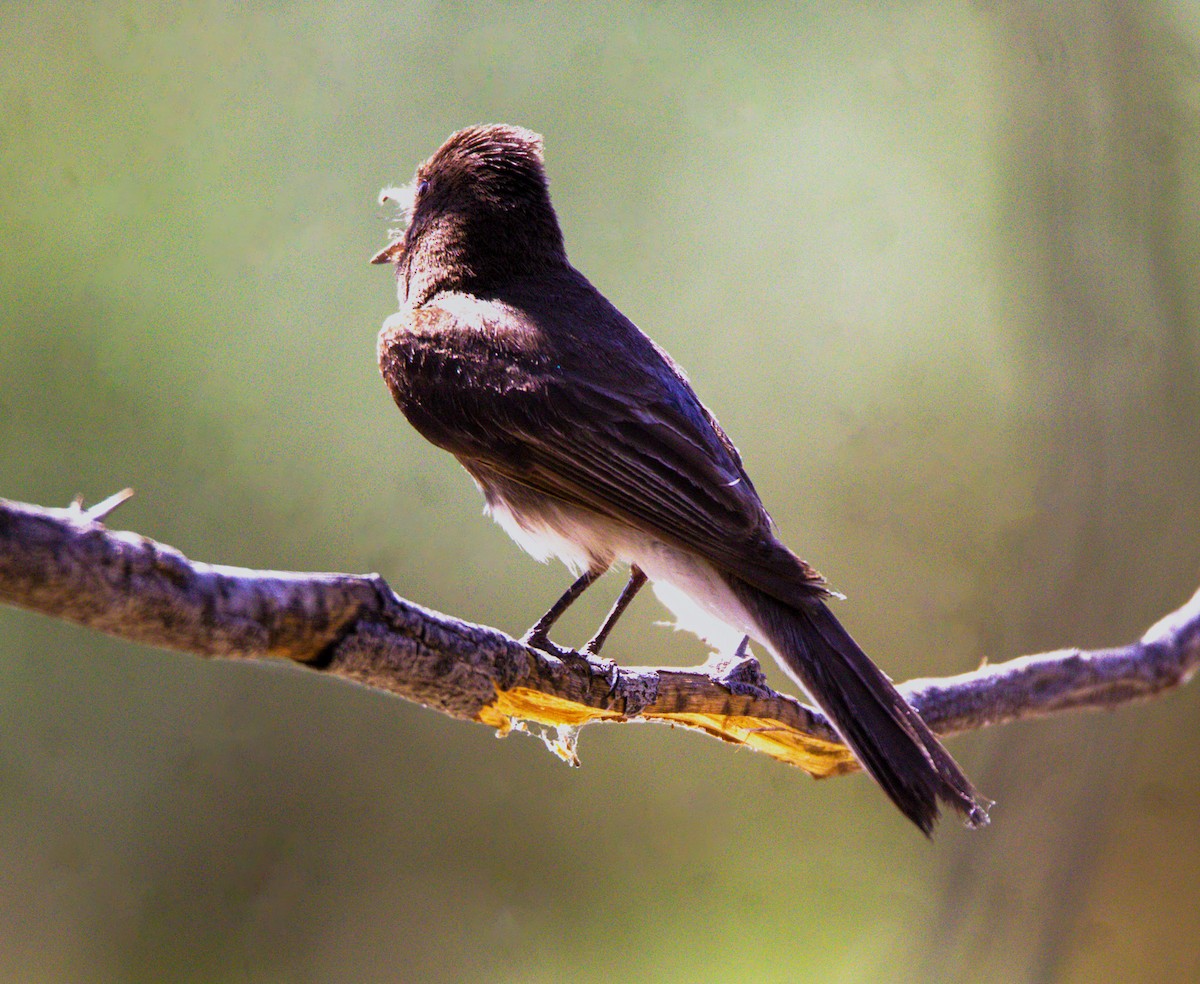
<point x="934" y="265"/>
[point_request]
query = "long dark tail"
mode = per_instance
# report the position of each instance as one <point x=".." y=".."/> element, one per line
<point x="888" y="737"/>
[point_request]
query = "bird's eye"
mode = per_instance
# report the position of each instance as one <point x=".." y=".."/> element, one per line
<point x="422" y="186"/>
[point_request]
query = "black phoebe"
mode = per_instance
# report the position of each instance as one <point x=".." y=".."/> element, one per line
<point x="589" y="445"/>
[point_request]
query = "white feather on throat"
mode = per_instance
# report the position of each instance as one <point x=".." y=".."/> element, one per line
<point x="403" y="197"/>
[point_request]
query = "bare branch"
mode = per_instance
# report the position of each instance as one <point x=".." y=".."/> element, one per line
<point x="64" y="563"/>
<point x="102" y="510"/>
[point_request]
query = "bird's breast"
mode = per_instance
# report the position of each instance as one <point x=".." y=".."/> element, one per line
<point x="398" y="351"/>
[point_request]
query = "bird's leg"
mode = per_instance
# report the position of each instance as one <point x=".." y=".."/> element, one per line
<point x="632" y="587"/>
<point x="538" y="636"/>
<point x="608" y="668"/>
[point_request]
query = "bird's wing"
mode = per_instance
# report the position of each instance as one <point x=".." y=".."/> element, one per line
<point x="643" y="450"/>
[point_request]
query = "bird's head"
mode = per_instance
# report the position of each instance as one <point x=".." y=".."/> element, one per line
<point x="476" y="212"/>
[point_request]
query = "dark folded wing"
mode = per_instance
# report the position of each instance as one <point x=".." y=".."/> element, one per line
<point x="639" y="449"/>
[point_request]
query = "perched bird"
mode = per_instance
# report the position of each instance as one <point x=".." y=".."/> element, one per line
<point x="590" y="445"/>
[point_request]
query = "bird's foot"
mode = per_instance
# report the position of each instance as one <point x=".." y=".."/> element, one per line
<point x="601" y="666"/>
<point x="604" y="667"/>
<point x="536" y="638"/>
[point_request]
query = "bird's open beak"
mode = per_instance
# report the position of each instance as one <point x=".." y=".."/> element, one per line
<point x="391" y="253"/>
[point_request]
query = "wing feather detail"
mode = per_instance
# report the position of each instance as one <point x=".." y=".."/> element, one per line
<point x="644" y="453"/>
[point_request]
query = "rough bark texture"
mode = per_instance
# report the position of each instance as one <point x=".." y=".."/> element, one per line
<point x="65" y="563"/>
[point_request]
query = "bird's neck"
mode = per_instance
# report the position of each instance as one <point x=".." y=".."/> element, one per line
<point x="478" y="261"/>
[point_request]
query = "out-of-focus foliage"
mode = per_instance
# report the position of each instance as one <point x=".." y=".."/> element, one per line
<point x="934" y="266"/>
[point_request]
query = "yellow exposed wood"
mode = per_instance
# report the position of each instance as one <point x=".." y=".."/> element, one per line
<point x="816" y="757"/>
<point x="524" y="704"/>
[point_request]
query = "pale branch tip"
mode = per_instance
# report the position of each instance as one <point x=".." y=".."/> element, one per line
<point x="66" y="564"/>
<point x="102" y="510"/>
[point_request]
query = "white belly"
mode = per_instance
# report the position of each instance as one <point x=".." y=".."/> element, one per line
<point x="696" y="595"/>
<point x="690" y="587"/>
